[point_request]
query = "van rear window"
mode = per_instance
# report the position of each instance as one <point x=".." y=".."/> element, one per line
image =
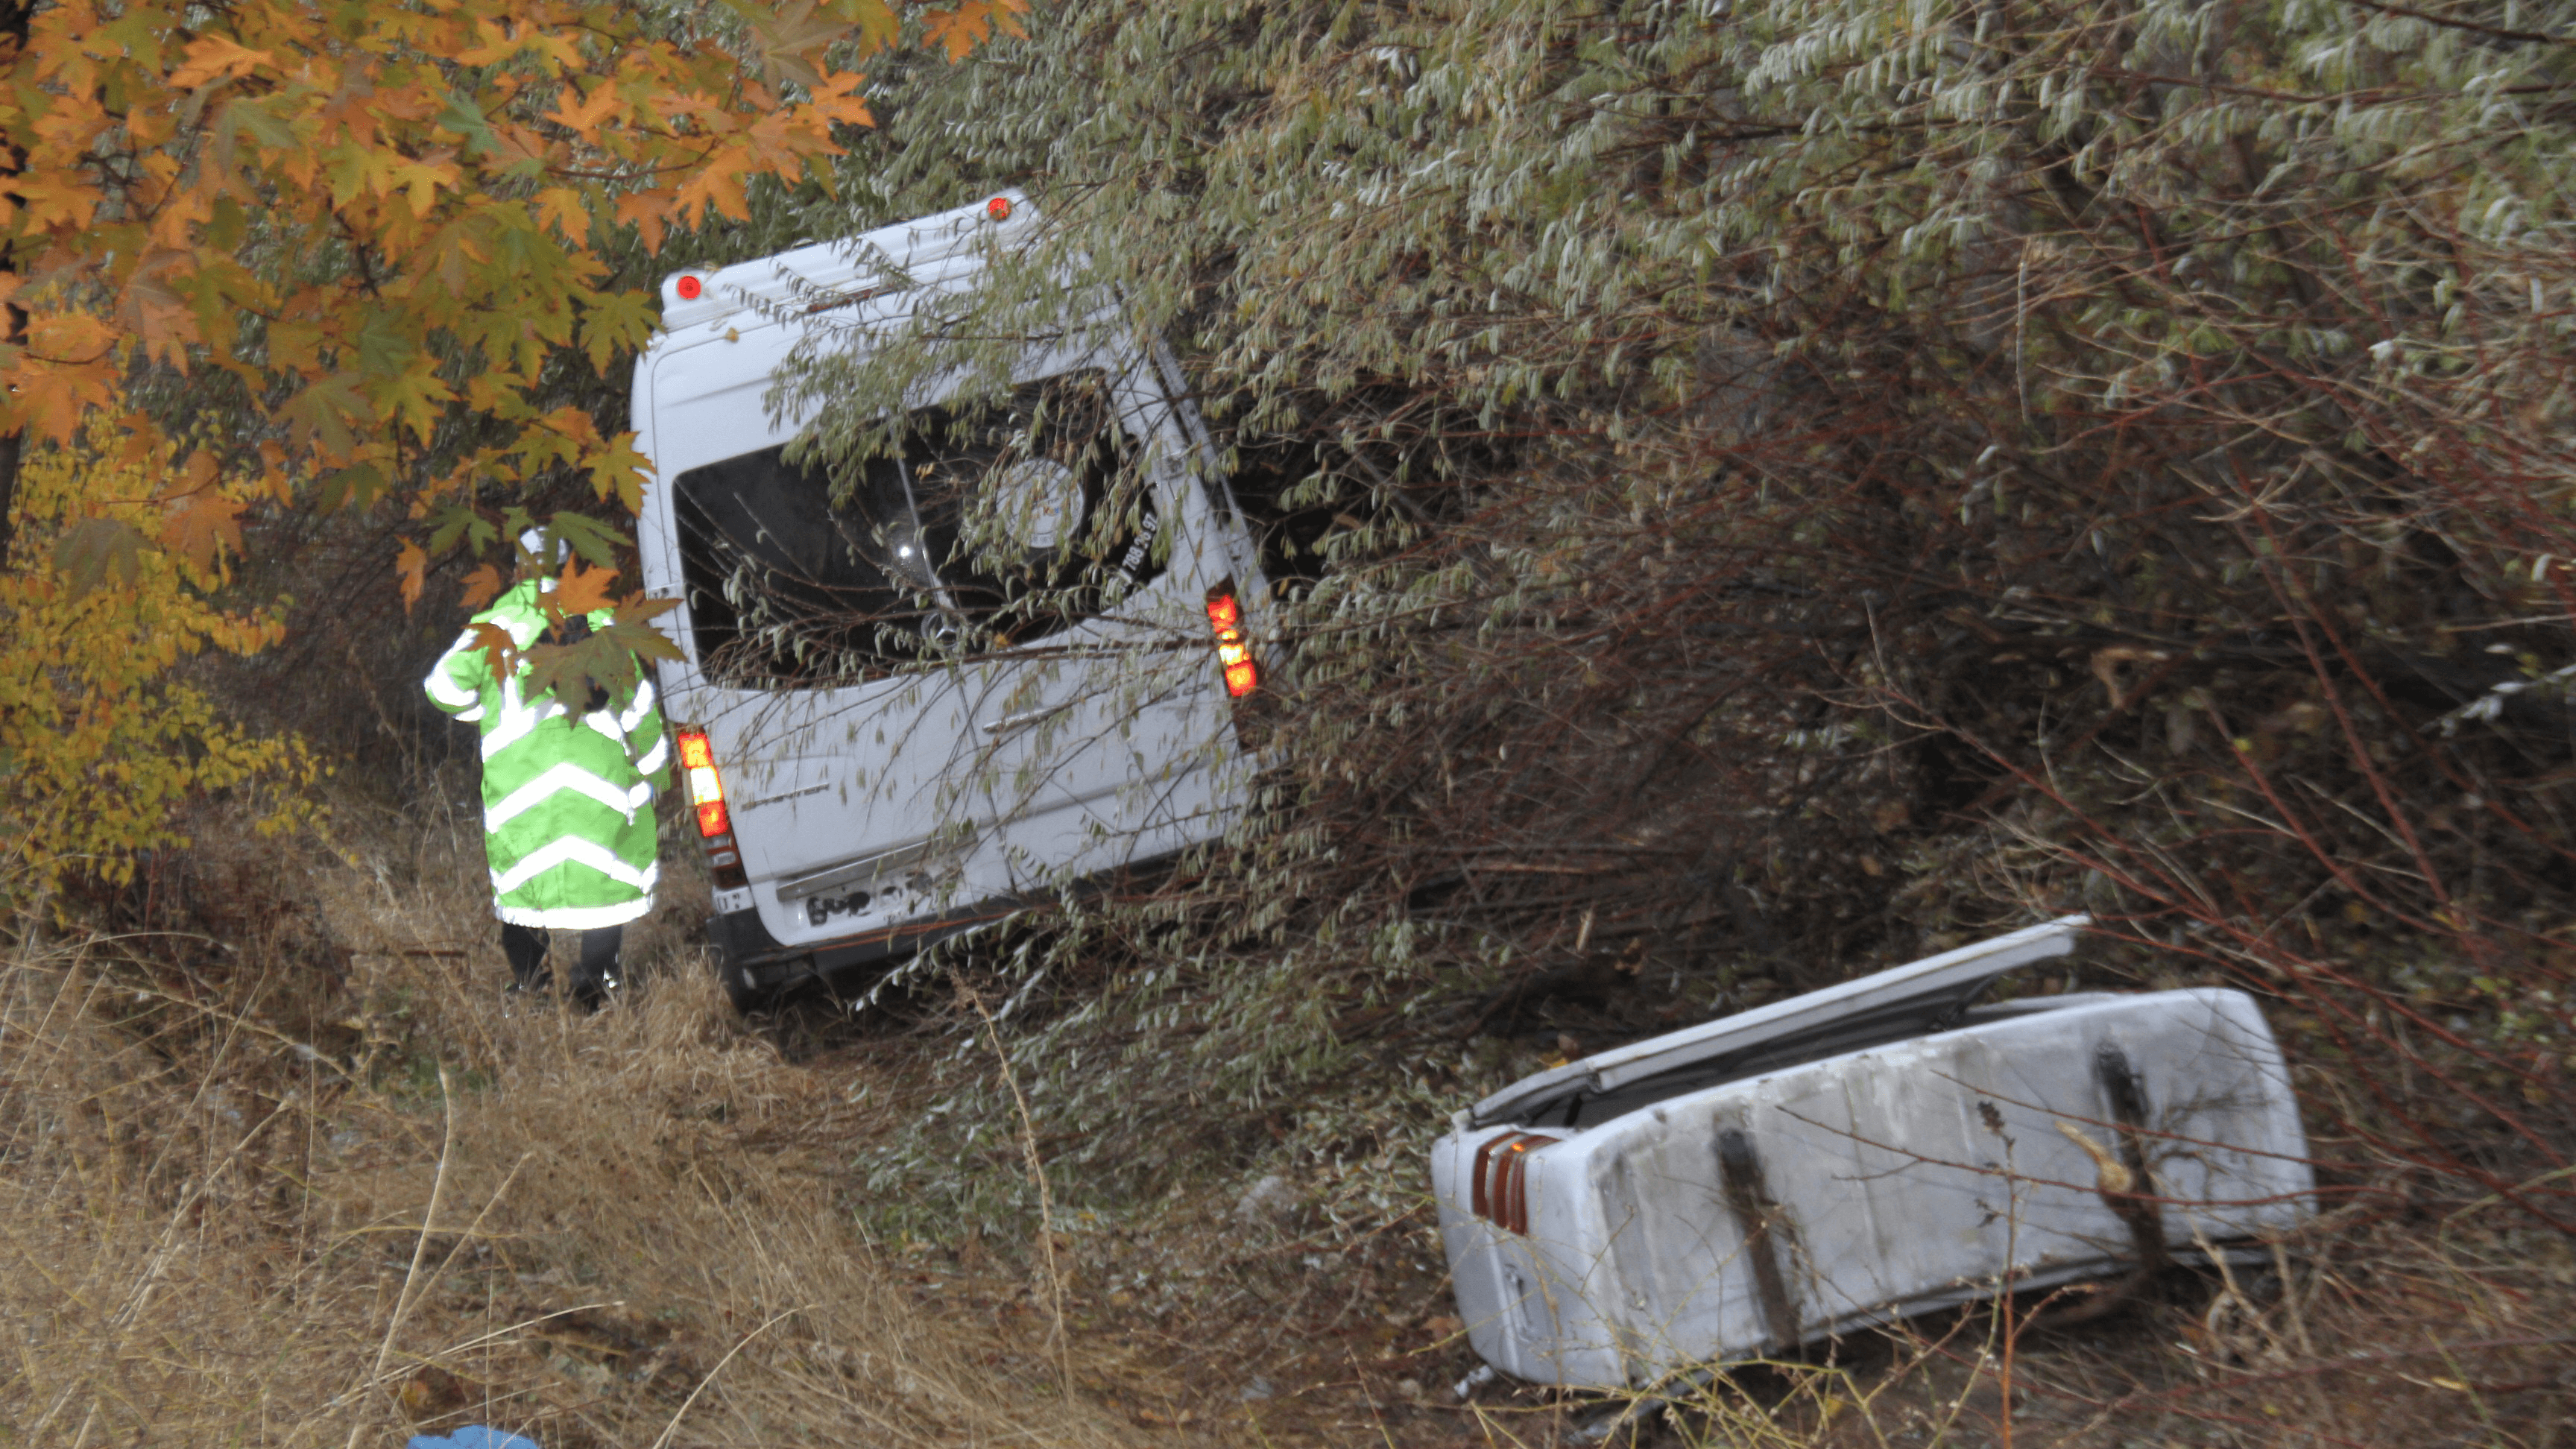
<point x="981" y="528"/>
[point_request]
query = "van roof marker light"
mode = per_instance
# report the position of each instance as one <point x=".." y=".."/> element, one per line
<point x="689" y="288"/>
<point x="706" y="792"/>
<point x="1225" y="616"/>
<point x="999" y="208"/>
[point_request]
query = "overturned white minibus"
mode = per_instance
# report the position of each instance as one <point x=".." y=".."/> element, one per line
<point x="1009" y="656"/>
<point x="1860" y="1154"/>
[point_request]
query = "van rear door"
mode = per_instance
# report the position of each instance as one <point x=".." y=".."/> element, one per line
<point x="910" y="724"/>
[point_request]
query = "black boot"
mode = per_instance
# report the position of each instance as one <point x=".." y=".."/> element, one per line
<point x="526" y="948"/>
<point x="595" y="981"/>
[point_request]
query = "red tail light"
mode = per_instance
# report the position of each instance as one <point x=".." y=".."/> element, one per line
<point x="706" y="791"/>
<point x="1498" y="1184"/>
<point x="1225" y="617"/>
<point x="706" y="796"/>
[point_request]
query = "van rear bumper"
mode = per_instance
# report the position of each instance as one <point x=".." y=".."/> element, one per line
<point x="755" y="966"/>
<point x="755" y="963"/>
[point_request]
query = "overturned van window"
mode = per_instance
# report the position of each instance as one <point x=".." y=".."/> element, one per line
<point x="982" y="528"/>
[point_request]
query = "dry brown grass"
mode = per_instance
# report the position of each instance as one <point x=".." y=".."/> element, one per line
<point x="642" y="1231"/>
<point x="406" y="1210"/>
<point x="2378" y="1333"/>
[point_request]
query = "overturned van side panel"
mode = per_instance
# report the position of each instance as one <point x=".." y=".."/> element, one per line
<point x="1750" y="1217"/>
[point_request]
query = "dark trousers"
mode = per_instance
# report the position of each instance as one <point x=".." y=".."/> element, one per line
<point x="593" y="973"/>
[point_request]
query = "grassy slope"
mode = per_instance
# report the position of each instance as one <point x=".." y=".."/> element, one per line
<point x="647" y="1228"/>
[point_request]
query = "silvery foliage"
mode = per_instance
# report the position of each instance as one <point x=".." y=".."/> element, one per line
<point x="1635" y="240"/>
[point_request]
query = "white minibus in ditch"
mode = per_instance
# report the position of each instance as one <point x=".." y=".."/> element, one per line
<point x="1008" y="656"/>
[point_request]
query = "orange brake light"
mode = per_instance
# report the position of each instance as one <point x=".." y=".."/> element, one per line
<point x="1225" y="617"/>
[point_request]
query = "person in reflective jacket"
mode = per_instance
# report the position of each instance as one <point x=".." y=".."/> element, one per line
<point x="567" y="794"/>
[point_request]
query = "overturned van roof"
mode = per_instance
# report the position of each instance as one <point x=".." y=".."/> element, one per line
<point x="1896" y="1002"/>
<point x="834" y="269"/>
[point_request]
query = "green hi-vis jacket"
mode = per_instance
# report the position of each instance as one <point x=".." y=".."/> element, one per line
<point x="567" y="798"/>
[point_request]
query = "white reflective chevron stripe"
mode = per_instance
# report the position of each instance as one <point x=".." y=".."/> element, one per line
<point x="654" y="757"/>
<point x="562" y="777"/>
<point x="516" y="720"/>
<point x="576" y="918"/>
<point x="642" y="706"/>
<point x="443" y="689"/>
<point x="574" y="849"/>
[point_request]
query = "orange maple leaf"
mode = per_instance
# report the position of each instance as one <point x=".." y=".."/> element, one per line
<point x="211" y="57"/>
<point x="717" y="183"/>
<point x="482" y="586"/>
<point x="50" y="397"/>
<point x="586" y="118"/>
<point x="196" y="524"/>
<point x="581" y="590"/>
<point x="409" y="565"/>
<point x="965" y="25"/>
<point x="650" y="211"/>
<point x="155" y="310"/>
<point x="500" y="651"/>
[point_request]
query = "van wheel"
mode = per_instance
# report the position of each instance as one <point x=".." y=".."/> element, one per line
<point x="746" y="999"/>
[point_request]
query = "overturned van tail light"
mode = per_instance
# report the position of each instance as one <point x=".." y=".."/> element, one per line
<point x="1499" y="1190"/>
<point x="1233" y="651"/>
<point x="706" y="797"/>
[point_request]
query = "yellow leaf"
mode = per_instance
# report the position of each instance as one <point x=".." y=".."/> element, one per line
<point x="622" y="470"/>
<point x="561" y="208"/>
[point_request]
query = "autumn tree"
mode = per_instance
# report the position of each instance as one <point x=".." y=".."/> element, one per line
<point x="359" y="247"/>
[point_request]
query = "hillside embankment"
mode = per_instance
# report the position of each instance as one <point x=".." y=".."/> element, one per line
<point x="316" y="1185"/>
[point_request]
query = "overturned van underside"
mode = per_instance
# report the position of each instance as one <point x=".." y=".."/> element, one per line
<point x="1756" y="1183"/>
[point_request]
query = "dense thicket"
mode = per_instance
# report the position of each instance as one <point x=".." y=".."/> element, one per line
<point x="1796" y="482"/>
